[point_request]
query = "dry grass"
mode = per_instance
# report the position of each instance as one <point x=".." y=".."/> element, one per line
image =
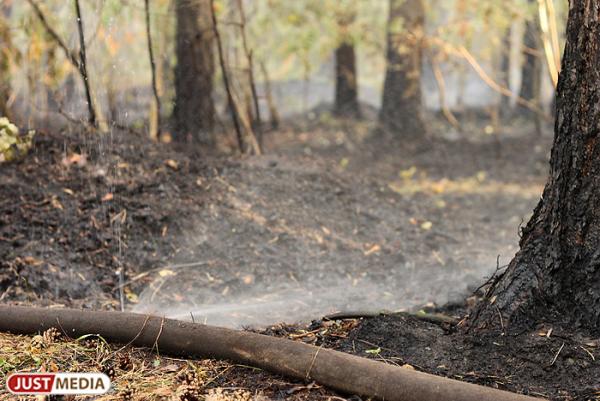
<point x="136" y="374"/>
<point x="140" y="374"/>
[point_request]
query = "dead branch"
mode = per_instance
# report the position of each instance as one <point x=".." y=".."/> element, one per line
<point x="439" y="78"/>
<point x="500" y="88"/>
<point x="76" y="61"/>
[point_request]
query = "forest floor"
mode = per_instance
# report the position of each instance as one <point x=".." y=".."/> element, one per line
<point x="334" y="216"/>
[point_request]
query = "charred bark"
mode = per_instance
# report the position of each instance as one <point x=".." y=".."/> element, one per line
<point x="194" y="109"/>
<point x="556" y="274"/>
<point x="346" y="89"/>
<point x="401" y="107"/>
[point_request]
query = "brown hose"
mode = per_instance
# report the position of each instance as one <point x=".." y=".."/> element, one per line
<point x="340" y="371"/>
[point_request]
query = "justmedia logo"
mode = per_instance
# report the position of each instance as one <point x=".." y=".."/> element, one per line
<point x="58" y="383"/>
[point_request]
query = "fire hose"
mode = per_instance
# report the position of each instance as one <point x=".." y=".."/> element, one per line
<point x="337" y="370"/>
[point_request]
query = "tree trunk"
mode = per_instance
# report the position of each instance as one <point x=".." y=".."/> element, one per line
<point x="531" y="69"/>
<point x="505" y="106"/>
<point x="346" y="89"/>
<point x="556" y="274"/>
<point x="401" y="107"/>
<point x="194" y="110"/>
<point x="5" y="57"/>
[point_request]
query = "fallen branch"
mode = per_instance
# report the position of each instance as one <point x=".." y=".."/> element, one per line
<point x="344" y="372"/>
<point x="436" y="318"/>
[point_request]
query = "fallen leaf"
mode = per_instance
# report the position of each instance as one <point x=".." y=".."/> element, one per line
<point x="426" y="225"/>
<point x="75" y="158"/>
<point x="30" y="260"/>
<point x="172" y="164"/>
<point x="408" y="173"/>
<point x="56" y="203"/>
<point x="166" y="273"/>
<point x="373" y="249"/>
<point x="374" y="351"/>
<point x="108" y="197"/>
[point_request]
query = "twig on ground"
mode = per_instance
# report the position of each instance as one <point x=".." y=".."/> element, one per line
<point x="557" y="354"/>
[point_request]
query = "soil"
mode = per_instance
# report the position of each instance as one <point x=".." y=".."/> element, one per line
<point x="334" y="216"/>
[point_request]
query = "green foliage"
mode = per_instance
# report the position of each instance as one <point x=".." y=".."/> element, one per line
<point x="13" y="146"/>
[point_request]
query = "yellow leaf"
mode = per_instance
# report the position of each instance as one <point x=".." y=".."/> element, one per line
<point x="172" y="164"/>
<point x="426" y="225"/>
<point x="56" y="204"/>
<point x="166" y="273"/>
<point x="408" y="173"/>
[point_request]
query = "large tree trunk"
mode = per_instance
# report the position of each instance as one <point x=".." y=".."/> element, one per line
<point x="346" y="89"/>
<point x="556" y="273"/>
<point x="194" y="111"/>
<point x="401" y="107"/>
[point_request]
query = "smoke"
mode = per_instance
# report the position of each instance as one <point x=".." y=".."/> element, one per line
<point x="190" y="293"/>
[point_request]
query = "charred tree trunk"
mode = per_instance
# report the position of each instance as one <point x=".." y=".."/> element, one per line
<point x="401" y="107"/>
<point x="556" y="274"/>
<point x="194" y="110"/>
<point x="346" y="89"/>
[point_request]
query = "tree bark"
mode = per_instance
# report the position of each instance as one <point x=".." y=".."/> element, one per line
<point x="194" y="109"/>
<point x="346" y="88"/>
<point x="401" y="108"/>
<point x="556" y="274"/>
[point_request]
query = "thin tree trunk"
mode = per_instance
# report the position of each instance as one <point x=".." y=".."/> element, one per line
<point x="531" y="69"/>
<point x="556" y="274"/>
<point x="92" y="118"/>
<point x="155" y="119"/>
<point x="5" y="57"/>
<point x="194" y="110"/>
<point x="230" y="101"/>
<point x="273" y="113"/>
<point x="257" y="121"/>
<point x="401" y="108"/>
<point x="346" y="87"/>
<point x="505" y="107"/>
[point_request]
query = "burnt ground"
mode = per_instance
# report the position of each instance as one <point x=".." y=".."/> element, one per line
<point x="334" y="216"/>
